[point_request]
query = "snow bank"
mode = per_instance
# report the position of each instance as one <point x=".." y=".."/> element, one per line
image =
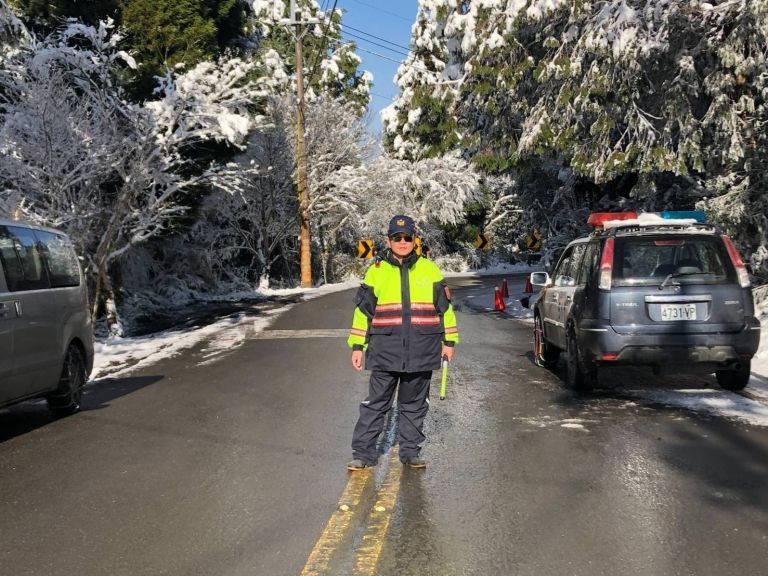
<point x="118" y="356"/>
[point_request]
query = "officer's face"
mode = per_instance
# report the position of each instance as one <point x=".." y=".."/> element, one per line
<point x="400" y="244"/>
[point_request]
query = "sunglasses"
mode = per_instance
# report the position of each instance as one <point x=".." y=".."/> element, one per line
<point x="401" y="238"/>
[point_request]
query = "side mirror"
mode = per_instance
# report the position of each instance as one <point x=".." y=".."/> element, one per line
<point x="540" y="279"/>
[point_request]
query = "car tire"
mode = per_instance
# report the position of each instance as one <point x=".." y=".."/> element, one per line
<point x="67" y="398"/>
<point x="579" y="375"/>
<point x="544" y="354"/>
<point x="735" y="379"/>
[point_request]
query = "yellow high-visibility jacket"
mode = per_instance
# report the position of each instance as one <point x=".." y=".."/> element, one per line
<point x="403" y="315"/>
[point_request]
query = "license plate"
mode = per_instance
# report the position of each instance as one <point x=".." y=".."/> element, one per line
<point x="673" y="312"/>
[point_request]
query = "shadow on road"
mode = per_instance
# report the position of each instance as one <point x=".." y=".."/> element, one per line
<point x="22" y="418"/>
<point x="727" y="459"/>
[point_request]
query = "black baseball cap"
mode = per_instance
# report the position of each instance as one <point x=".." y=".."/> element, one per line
<point x="401" y="224"/>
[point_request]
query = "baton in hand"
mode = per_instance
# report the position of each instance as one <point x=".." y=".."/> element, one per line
<point x="444" y="378"/>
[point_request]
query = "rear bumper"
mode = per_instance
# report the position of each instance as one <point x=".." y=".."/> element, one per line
<point x="598" y="339"/>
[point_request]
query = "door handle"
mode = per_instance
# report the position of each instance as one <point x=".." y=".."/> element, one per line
<point x="10" y="310"/>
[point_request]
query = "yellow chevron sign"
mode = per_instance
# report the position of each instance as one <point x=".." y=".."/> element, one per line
<point x="533" y="241"/>
<point x="417" y="245"/>
<point x="483" y="242"/>
<point x="365" y="248"/>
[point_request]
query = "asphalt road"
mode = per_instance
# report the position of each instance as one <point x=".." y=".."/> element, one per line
<point x="237" y="467"/>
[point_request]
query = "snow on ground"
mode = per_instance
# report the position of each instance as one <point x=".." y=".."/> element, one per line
<point x="498" y="269"/>
<point x="118" y="356"/>
<point x="710" y="401"/>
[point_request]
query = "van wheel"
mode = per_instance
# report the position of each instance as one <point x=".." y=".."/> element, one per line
<point x="69" y="395"/>
<point x="544" y="354"/>
<point x="735" y="379"/>
<point x="579" y="376"/>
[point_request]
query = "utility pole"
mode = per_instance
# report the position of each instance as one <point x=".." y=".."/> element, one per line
<point x="301" y="156"/>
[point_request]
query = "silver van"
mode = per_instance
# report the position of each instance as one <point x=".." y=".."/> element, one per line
<point x="46" y="338"/>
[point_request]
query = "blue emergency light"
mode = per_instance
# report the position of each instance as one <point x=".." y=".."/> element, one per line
<point x="697" y="215"/>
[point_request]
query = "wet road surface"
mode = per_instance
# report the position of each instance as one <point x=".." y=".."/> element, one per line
<point x="237" y="467"/>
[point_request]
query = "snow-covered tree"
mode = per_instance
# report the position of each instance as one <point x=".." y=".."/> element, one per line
<point x="112" y="174"/>
<point x="331" y="66"/>
<point x="626" y="95"/>
<point x="337" y="143"/>
<point x="249" y="236"/>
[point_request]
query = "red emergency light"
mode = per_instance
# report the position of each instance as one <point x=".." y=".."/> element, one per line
<point x="598" y="219"/>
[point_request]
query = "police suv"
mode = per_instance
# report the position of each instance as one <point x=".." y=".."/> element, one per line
<point x="656" y="289"/>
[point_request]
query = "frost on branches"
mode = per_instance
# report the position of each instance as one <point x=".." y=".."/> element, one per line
<point x="636" y="98"/>
<point x="75" y="155"/>
<point x="331" y="64"/>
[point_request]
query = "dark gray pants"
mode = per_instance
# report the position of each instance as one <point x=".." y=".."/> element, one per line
<point x="412" y="403"/>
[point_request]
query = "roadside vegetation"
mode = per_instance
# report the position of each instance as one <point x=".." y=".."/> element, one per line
<point x="160" y="134"/>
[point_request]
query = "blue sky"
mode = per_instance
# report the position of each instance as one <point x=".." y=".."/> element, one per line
<point x="391" y="22"/>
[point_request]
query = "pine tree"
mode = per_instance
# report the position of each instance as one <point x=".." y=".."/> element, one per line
<point x="168" y="34"/>
<point x="44" y="16"/>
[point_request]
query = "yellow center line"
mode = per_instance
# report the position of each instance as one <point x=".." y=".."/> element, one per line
<point x="367" y="556"/>
<point x="338" y="524"/>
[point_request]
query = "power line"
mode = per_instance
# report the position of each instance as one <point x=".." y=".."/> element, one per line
<point x="410" y="64"/>
<point x="389" y="98"/>
<point x="376" y="43"/>
<point x="384" y="11"/>
<point x="406" y="48"/>
<point x="324" y="44"/>
<point x="382" y="56"/>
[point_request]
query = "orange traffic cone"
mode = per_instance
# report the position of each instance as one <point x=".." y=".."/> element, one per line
<point x="498" y="301"/>
<point x="528" y="286"/>
<point x="504" y="289"/>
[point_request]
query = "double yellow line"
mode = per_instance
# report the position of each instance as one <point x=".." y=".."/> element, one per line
<point x="366" y="555"/>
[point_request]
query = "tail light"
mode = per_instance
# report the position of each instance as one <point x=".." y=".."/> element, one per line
<point x="606" y="265"/>
<point x="741" y="269"/>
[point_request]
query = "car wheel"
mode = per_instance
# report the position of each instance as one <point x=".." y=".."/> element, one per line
<point x="579" y="376"/>
<point x="69" y="395"/>
<point x="544" y="354"/>
<point x="735" y="379"/>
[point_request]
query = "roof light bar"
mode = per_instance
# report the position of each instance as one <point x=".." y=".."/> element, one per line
<point x="697" y="215"/>
<point x="598" y="219"/>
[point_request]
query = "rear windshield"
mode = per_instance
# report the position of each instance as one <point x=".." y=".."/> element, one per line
<point x="676" y="259"/>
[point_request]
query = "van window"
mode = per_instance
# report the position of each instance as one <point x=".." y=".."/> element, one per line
<point x="692" y="260"/>
<point x="61" y="259"/>
<point x="21" y="260"/>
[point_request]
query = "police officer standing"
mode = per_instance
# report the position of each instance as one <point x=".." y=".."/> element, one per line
<point x="405" y="324"/>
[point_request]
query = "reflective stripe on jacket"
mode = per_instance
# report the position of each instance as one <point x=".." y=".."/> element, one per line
<point x="403" y="315"/>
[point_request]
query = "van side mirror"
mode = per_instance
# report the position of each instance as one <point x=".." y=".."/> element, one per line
<point x="540" y="279"/>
